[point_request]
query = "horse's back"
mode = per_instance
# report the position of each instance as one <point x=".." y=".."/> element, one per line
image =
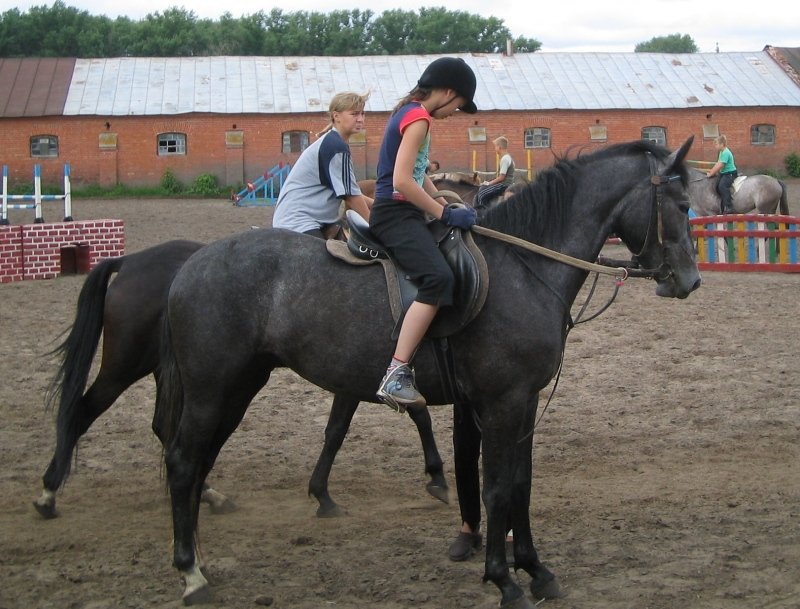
<point x="274" y="298"/>
<point x="262" y="272"/>
<point x="144" y="277"/>
<point x="761" y="192"/>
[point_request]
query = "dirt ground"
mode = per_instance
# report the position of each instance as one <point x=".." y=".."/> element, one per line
<point x="667" y="466"/>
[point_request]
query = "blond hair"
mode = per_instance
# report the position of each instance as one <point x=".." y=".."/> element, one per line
<point x="721" y="139"/>
<point x="342" y="102"/>
<point x="501" y="141"/>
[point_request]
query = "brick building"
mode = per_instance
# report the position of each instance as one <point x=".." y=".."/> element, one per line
<point x="128" y="120"/>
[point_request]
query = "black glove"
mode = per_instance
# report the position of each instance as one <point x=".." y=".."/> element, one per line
<point x="460" y="217"/>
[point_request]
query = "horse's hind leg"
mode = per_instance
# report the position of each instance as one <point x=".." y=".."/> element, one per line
<point x="188" y="462"/>
<point x="101" y="395"/>
<point x="339" y="420"/>
<point x="217" y="502"/>
<point x="342" y="411"/>
<point x="208" y="419"/>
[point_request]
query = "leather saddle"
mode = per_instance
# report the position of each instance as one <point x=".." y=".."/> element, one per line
<point x="458" y="248"/>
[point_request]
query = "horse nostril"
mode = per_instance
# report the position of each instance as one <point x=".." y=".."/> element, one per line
<point x="697" y="284"/>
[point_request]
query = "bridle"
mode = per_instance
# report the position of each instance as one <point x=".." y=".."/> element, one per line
<point x="618" y="268"/>
<point x="663" y="271"/>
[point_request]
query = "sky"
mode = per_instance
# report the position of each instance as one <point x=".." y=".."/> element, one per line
<point x="569" y="26"/>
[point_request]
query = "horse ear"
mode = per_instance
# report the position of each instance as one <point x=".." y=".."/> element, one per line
<point x="677" y="158"/>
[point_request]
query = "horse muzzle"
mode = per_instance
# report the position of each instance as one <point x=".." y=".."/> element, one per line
<point x="679" y="275"/>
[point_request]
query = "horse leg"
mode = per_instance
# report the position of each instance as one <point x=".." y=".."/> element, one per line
<point x="217" y="502"/>
<point x="437" y="486"/>
<point x="502" y="464"/>
<point x="80" y="416"/>
<point x="543" y="582"/>
<point x="342" y="411"/>
<point x="189" y="459"/>
<point x="466" y="452"/>
<point x="183" y="473"/>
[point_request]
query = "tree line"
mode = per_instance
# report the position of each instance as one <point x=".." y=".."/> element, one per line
<point x="65" y="31"/>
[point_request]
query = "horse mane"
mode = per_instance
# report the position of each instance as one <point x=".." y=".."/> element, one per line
<point x="540" y="212"/>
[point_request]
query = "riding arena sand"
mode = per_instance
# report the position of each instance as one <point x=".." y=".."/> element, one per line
<point x="666" y="465"/>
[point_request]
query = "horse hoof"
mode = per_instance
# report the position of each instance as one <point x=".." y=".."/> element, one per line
<point x="200" y="596"/>
<point x="330" y="511"/>
<point x="442" y="493"/>
<point x="519" y="603"/>
<point x="546" y="588"/>
<point x="46" y="510"/>
<point x="224" y="507"/>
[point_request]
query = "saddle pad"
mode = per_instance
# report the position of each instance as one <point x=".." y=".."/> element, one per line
<point x="737" y="183"/>
<point x="339" y="250"/>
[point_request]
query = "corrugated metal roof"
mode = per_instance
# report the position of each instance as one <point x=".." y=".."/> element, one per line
<point x="34" y="86"/>
<point x="529" y="81"/>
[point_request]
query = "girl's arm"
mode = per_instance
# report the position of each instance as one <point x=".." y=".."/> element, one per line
<point x="715" y="169"/>
<point x="404" y="181"/>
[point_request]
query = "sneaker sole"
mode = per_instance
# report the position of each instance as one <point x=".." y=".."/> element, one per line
<point x="400" y="405"/>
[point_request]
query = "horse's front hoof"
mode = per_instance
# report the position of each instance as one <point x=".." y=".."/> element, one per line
<point x="519" y="603"/>
<point x="217" y="502"/>
<point x="46" y="509"/>
<point x="442" y="493"/>
<point x="545" y="586"/>
<point x="330" y="510"/>
<point x="223" y="507"/>
<point x="200" y="596"/>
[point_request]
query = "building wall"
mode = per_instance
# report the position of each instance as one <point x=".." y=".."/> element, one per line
<point x="237" y="148"/>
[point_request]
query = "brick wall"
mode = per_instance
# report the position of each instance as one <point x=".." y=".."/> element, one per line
<point x="33" y="251"/>
<point x="10" y="253"/>
<point x="133" y="160"/>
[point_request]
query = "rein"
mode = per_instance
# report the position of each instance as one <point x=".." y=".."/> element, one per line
<point x="621" y="272"/>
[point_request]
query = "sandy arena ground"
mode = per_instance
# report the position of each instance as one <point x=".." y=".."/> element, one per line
<point x="667" y="467"/>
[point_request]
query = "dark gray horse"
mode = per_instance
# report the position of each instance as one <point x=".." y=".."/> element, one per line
<point x="254" y="302"/>
<point x="762" y="193"/>
<point x="127" y="313"/>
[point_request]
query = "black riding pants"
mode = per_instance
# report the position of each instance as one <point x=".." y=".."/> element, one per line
<point x="724" y="188"/>
<point x="401" y="228"/>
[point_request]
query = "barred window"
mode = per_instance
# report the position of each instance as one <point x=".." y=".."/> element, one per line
<point x="295" y="141"/>
<point x="537" y="137"/>
<point x="44" y="146"/>
<point x="657" y="135"/>
<point x="171" y="144"/>
<point x="762" y="135"/>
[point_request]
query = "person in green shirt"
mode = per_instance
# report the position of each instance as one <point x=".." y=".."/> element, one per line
<point x="726" y="169"/>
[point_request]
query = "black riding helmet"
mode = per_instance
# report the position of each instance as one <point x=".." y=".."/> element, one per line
<point x="451" y="73"/>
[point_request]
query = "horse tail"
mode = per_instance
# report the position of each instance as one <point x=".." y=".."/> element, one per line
<point x="169" y="390"/>
<point x="76" y="355"/>
<point x="784" y="202"/>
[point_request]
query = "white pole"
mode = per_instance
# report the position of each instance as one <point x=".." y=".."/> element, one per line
<point x="37" y="193"/>
<point x="4" y="210"/>
<point x="67" y="195"/>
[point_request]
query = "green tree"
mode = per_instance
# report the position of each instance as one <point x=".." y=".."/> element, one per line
<point x="391" y="31"/>
<point x="62" y="31"/>
<point x="12" y="34"/>
<point x="674" y="43"/>
<point x="174" y="33"/>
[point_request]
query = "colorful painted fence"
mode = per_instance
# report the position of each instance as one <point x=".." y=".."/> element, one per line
<point x="747" y="243"/>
